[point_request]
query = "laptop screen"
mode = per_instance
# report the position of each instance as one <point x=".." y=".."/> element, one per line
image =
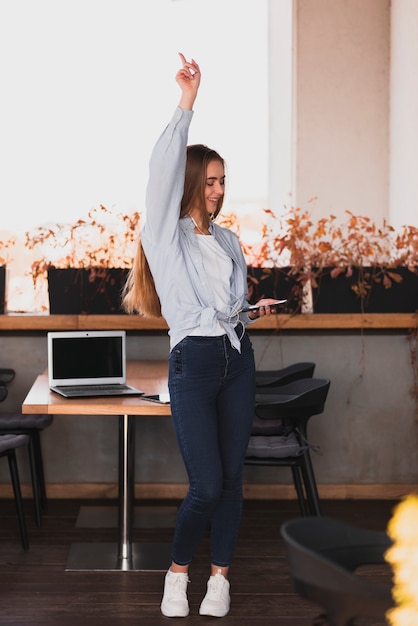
<point x="86" y="357"/>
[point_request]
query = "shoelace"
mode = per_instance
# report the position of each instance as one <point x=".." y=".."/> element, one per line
<point x="216" y="584"/>
<point x="179" y="586"/>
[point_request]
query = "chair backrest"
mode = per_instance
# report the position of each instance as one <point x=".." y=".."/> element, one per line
<point x="11" y="442"/>
<point x="3" y="392"/>
<point x="323" y="554"/>
<point x="301" y="398"/>
<point x="7" y="374"/>
<point x="271" y="382"/>
<point x="285" y="375"/>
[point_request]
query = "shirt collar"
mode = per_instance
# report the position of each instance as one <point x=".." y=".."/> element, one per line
<point x="187" y="224"/>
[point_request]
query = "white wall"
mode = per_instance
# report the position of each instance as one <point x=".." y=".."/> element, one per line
<point x="342" y="106"/>
<point x="280" y="84"/>
<point x="404" y="113"/>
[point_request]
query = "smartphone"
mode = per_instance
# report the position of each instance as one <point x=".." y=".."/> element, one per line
<point x="255" y="307"/>
<point x="161" y="398"/>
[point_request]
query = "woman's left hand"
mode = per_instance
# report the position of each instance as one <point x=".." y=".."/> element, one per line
<point x="266" y="308"/>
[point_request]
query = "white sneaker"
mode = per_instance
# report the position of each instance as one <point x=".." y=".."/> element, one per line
<point x="216" y="601"/>
<point x="174" y="602"/>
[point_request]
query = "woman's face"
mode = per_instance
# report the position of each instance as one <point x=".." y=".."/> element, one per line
<point x="215" y="185"/>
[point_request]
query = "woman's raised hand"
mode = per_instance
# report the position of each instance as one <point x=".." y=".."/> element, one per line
<point x="188" y="79"/>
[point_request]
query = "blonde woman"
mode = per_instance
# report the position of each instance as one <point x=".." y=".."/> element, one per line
<point x="193" y="272"/>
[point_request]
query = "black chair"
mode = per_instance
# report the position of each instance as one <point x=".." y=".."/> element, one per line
<point x="8" y="446"/>
<point x="3" y="392"/>
<point x="285" y="375"/>
<point x="323" y="554"/>
<point x="32" y="426"/>
<point x="279" y="437"/>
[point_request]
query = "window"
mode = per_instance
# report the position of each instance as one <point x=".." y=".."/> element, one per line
<point x="89" y="84"/>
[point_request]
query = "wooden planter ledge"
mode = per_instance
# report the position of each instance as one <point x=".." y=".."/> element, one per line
<point x="305" y="321"/>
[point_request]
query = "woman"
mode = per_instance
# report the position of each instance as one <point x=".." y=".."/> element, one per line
<point x="194" y="273"/>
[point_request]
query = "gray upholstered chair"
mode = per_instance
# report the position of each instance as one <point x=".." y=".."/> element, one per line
<point x="32" y="426"/>
<point x="8" y="446"/>
<point x="279" y="436"/>
<point x="324" y="556"/>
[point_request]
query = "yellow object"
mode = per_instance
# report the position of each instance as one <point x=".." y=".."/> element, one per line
<point x="403" y="558"/>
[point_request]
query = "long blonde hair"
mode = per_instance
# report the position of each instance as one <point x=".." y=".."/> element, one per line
<point x="139" y="293"/>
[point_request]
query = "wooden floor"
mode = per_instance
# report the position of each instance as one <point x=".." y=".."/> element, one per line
<point x="36" y="590"/>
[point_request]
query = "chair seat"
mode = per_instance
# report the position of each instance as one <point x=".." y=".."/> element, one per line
<point x="19" y="421"/>
<point x="274" y="446"/>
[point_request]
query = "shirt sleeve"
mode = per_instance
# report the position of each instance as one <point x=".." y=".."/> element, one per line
<point x="166" y="180"/>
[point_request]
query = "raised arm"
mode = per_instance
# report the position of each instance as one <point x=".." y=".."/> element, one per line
<point x="168" y="163"/>
<point x="188" y="79"/>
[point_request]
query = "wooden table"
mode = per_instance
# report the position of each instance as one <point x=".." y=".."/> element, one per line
<point x="151" y="377"/>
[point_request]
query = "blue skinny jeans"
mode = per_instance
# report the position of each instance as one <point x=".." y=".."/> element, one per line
<point x="212" y="394"/>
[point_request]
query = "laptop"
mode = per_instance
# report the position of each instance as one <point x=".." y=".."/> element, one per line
<point x="88" y="363"/>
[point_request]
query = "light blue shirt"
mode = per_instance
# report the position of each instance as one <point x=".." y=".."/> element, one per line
<point x="172" y="249"/>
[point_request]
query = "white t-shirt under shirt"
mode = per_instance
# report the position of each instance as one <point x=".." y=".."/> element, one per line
<point x="218" y="267"/>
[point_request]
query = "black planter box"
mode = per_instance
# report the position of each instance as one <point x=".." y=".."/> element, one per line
<point x="95" y="291"/>
<point x="277" y="283"/>
<point x="365" y="292"/>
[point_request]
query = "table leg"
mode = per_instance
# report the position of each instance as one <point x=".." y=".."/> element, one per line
<point x="126" y="484"/>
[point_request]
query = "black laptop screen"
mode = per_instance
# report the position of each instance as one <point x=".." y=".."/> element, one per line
<point x="87" y="357"/>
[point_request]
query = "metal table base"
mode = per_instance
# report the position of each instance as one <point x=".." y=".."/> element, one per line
<point x="105" y="557"/>
<point x="124" y="555"/>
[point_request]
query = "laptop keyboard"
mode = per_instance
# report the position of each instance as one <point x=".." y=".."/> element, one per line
<point x="98" y="387"/>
